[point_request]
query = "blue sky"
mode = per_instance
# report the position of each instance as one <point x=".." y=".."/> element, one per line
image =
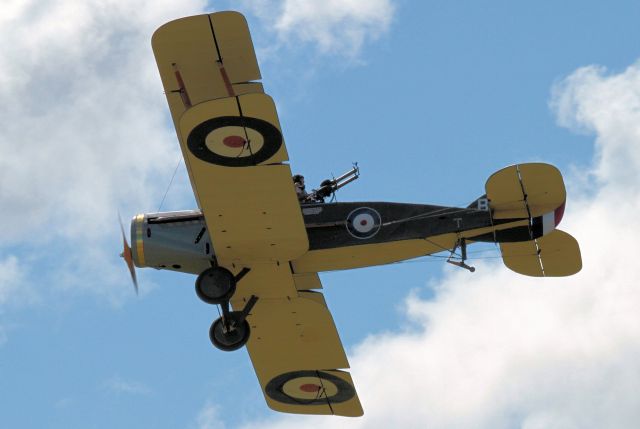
<point x="430" y="98"/>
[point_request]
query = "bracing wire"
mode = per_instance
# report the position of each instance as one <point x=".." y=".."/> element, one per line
<point x="434" y="213"/>
<point x="170" y="182"/>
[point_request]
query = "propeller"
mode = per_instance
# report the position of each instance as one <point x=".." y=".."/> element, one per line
<point x="128" y="257"/>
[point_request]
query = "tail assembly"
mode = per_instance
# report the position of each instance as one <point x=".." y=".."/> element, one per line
<point x="534" y="191"/>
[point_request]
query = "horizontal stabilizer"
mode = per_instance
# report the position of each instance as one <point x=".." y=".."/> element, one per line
<point x="556" y="254"/>
<point x="525" y="191"/>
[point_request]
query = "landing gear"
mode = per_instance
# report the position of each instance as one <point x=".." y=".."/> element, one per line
<point x="231" y="331"/>
<point x="233" y="337"/>
<point x="216" y="285"/>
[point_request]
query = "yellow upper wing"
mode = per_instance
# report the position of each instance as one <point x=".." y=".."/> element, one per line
<point x="231" y="139"/>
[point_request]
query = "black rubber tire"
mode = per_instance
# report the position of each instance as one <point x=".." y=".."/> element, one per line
<point x="229" y="341"/>
<point x="215" y="285"/>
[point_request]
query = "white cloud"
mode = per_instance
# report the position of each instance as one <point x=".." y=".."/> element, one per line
<point x="498" y="350"/>
<point x="609" y="106"/>
<point x="15" y="291"/>
<point x="338" y="27"/>
<point x="85" y="131"/>
<point x="10" y="277"/>
<point x="85" y="118"/>
<point x="120" y="385"/>
<point x="209" y="417"/>
<point x="15" y="287"/>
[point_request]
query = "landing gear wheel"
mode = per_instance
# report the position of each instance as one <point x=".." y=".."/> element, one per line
<point x="232" y="339"/>
<point x="215" y="285"/>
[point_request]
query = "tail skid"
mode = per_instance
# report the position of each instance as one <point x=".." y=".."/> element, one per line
<point x="460" y="262"/>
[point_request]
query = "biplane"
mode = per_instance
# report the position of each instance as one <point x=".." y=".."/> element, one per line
<point x="257" y="250"/>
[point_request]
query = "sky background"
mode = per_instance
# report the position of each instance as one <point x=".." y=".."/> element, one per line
<point x="430" y="98"/>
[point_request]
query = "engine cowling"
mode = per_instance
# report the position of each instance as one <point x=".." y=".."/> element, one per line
<point x="176" y="241"/>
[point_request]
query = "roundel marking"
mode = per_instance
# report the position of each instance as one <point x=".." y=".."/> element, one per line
<point x="364" y="222"/>
<point x="309" y="388"/>
<point x="220" y="141"/>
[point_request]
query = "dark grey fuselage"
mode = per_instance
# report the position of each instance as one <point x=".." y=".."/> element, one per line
<point x="179" y="241"/>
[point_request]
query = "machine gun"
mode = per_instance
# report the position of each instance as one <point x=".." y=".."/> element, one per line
<point x="330" y="186"/>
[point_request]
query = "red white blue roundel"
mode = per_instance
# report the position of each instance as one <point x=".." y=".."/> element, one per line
<point x="363" y="222"/>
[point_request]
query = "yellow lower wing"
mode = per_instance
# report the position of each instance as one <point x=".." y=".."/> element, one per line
<point x="294" y="345"/>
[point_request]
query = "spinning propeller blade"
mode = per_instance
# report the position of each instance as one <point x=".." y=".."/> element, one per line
<point x="128" y="257"/>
